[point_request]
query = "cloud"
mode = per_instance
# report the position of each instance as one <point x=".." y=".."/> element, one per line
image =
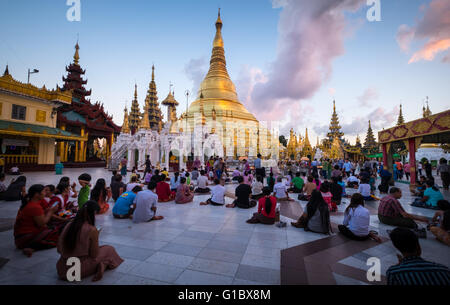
<point x="332" y="91"/>
<point x="196" y="70"/>
<point x="446" y="58"/>
<point x="434" y="27"/>
<point x="310" y="37"/>
<point x="429" y="51"/>
<point x="368" y="95"/>
<point x="405" y="36"/>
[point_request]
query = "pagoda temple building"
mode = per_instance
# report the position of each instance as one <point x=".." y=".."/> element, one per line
<point x="83" y="118"/>
<point x="28" y="119"/>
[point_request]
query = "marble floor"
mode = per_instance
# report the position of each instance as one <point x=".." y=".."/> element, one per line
<point x="210" y="245"/>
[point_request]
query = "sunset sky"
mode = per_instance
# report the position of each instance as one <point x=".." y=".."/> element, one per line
<point x="288" y="58"/>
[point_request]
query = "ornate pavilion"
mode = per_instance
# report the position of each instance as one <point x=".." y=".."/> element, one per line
<point x="427" y="132"/>
<point x="81" y="117"/>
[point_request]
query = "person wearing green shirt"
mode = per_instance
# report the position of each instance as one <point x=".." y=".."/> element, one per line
<point x="83" y="195"/>
<point x="297" y="184"/>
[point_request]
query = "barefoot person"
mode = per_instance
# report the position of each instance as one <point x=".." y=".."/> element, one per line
<point x="316" y="218"/>
<point x="31" y="232"/>
<point x="80" y="239"/>
<point x="124" y="208"/>
<point x="145" y="202"/>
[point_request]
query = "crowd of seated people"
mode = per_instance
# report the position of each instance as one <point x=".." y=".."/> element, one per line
<point x="51" y="215"/>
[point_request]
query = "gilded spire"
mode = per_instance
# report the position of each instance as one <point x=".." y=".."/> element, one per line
<point x="152" y="109"/>
<point x="400" y="120"/>
<point x="217" y="83"/>
<point x="135" y="113"/>
<point x="426" y="111"/>
<point x="6" y="71"/>
<point x="125" y="126"/>
<point x="76" y="56"/>
<point x="145" y="123"/>
<point x="335" y="128"/>
<point x="370" y="139"/>
<point x="307" y="149"/>
<point x="171" y="104"/>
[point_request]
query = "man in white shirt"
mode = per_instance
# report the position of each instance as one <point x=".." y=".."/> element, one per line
<point x="145" y="202"/>
<point x="280" y="191"/>
<point x="364" y="190"/>
<point x="202" y="183"/>
<point x="352" y="181"/>
<point x="217" y="194"/>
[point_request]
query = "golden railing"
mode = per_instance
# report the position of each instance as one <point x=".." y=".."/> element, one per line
<point x="20" y="159"/>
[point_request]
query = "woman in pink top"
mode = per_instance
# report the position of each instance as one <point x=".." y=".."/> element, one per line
<point x="80" y="239"/>
<point x="248" y="178"/>
<point x="327" y="196"/>
<point x="184" y="194"/>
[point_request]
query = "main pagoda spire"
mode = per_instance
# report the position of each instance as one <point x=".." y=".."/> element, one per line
<point x="135" y="113"/>
<point x="335" y="128"/>
<point x="426" y="111"/>
<point x="152" y="106"/>
<point x="400" y="119"/>
<point x="74" y="79"/>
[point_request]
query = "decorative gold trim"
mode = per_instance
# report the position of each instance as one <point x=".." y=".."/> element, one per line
<point x="42" y="135"/>
<point x="8" y="83"/>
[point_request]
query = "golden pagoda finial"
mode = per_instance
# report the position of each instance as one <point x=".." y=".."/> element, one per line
<point x="135" y="91"/>
<point x="400" y="120"/>
<point x="145" y="122"/>
<point x="218" y="41"/>
<point x="76" y="56"/>
<point x="153" y="72"/>
<point x="125" y="126"/>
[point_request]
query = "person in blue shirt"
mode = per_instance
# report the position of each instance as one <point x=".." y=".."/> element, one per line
<point x="430" y="197"/>
<point x="123" y="208"/>
<point x="175" y="182"/>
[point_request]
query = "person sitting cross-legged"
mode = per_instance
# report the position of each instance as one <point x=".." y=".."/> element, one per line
<point x="316" y="218"/>
<point x="80" y="239"/>
<point x="391" y="212"/>
<point x="124" y="208"/>
<point x="183" y="194"/>
<point x="257" y="187"/>
<point x="163" y="190"/>
<point x="411" y="268"/>
<point x="430" y="197"/>
<point x="266" y="209"/>
<point x="357" y="220"/>
<point x="243" y="194"/>
<point x="202" y="183"/>
<point x="217" y="194"/>
<point x="297" y="184"/>
<point x="280" y="191"/>
<point x="145" y="202"/>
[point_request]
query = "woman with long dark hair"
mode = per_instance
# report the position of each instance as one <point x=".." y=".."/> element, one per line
<point x="16" y="190"/>
<point x="266" y="209"/>
<point x="357" y="220"/>
<point x="316" y="218"/>
<point x="101" y="195"/>
<point x="31" y="232"/>
<point x="80" y="239"/>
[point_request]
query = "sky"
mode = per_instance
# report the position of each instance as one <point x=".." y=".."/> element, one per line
<point x="289" y="59"/>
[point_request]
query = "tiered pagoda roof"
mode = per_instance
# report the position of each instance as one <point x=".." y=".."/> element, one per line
<point x="81" y="113"/>
<point x="134" y="118"/>
<point x="400" y="119"/>
<point x="152" y="106"/>
<point x="335" y="128"/>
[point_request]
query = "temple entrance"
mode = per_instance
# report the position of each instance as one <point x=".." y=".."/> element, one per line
<point x="174" y="160"/>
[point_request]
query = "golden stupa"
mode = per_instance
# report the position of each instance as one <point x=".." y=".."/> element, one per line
<point x="217" y="93"/>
